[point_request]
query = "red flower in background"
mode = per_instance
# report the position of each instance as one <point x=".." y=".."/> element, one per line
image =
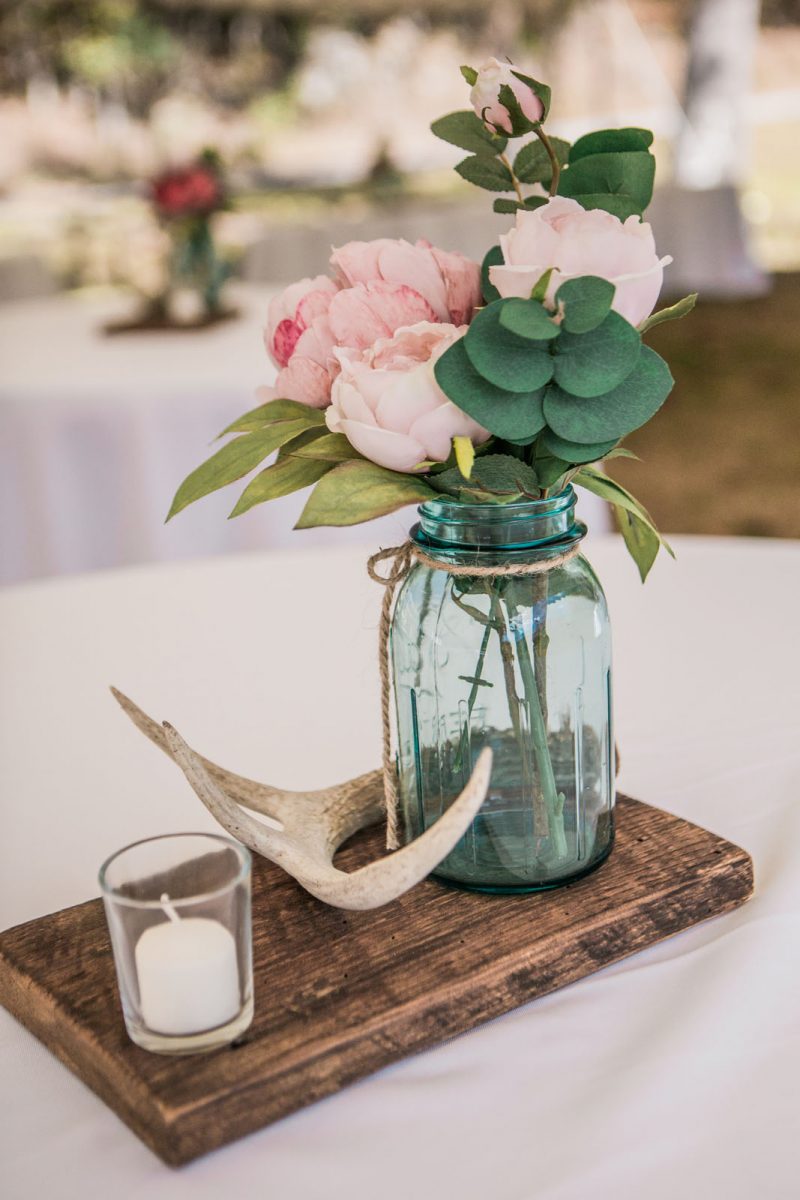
<point x="187" y="191"/>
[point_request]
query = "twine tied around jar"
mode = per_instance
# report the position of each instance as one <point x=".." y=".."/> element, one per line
<point x="402" y="558"/>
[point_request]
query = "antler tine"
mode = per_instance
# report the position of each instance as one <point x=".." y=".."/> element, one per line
<point x="240" y="824"/>
<point x="389" y="877"/>
<point x="260" y="797"/>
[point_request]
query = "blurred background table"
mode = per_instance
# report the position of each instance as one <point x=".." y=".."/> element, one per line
<point x="673" y="1073"/>
<point x="97" y="431"/>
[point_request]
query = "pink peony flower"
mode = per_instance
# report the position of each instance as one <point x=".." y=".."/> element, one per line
<point x="380" y="287"/>
<point x="575" y="241"/>
<point x="388" y="404"/>
<point x="293" y="312"/>
<point x="449" y="282"/>
<point x="485" y="96"/>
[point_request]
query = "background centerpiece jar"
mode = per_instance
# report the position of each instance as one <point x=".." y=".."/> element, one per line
<point x="520" y="662"/>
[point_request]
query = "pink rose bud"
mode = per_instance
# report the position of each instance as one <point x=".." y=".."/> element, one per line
<point x="485" y="98"/>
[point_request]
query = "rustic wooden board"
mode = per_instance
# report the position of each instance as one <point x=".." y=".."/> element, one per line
<point x="342" y="994"/>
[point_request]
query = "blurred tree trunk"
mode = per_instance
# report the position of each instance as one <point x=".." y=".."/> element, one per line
<point x="713" y="142"/>
<point x="700" y="213"/>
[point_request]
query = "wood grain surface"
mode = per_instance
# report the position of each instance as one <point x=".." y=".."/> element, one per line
<point x="339" y="995"/>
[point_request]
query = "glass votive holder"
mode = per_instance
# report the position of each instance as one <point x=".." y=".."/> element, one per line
<point x="178" y="910"/>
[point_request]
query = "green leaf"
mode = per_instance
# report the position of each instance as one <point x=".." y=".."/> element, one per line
<point x="675" y="311"/>
<point x="638" y="540"/>
<point x="509" y="362"/>
<point x="626" y="178"/>
<point x="528" y="319"/>
<point x="493" y="475"/>
<point x="575" y="452"/>
<point x="532" y="202"/>
<point x="492" y="258"/>
<point x="591" y="364"/>
<point x="501" y="205"/>
<point x="328" y="447"/>
<point x="360" y="491"/>
<point x="287" y="475"/>
<point x="539" y="289"/>
<point x="275" y="410"/>
<point x="587" y="302"/>
<point x="616" y="413"/>
<point x="516" y="416"/>
<point x="519" y="122"/>
<point x="301" y="441"/>
<point x="532" y="164"/>
<point x="467" y="130"/>
<point x="234" y="460"/>
<point x="470" y="74"/>
<point x="549" y="470"/>
<point x="603" y="141"/>
<point x="486" y="173"/>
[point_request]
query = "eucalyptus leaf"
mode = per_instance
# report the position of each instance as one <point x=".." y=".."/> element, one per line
<point x="617" y="412"/>
<point x="586" y="300"/>
<point x="528" y="319"/>
<point x="487" y="173"/>
<point x="360" y="491"/>
<point x="592" y="363"/>
<point x="625" y="176"/>
<point x="675" y="311"/>
<point x="601" y="141"/>
<point x="532" y="164"/>
<point x="466" y="130"/>
<point x="287" y="475"/>
<point x="509" y="362"/>
<point x="492" y="258"/>
<point x="232" y="461"/>
<point x="575" y="452"/>
<point x="516" y="416"/>
<point x="272" y="411"/>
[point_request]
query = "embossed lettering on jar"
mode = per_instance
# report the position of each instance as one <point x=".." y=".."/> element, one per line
<point x="520" y="663"/>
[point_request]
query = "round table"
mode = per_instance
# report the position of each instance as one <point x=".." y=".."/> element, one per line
<point x="672" y="1073"/>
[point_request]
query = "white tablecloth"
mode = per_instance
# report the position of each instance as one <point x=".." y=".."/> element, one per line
<point x="671" y="1074"/>
<point x="97" y="432"/>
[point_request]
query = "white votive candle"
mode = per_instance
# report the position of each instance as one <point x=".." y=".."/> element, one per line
<point x="188" y="974"/>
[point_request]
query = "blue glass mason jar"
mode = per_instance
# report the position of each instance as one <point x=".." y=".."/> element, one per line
<point x="520" y="663"/>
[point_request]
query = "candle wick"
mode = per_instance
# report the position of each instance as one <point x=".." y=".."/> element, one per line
<point x="168" y="909"/>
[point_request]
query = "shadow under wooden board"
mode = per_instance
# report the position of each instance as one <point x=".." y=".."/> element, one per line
<point x="339" y="995"/>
